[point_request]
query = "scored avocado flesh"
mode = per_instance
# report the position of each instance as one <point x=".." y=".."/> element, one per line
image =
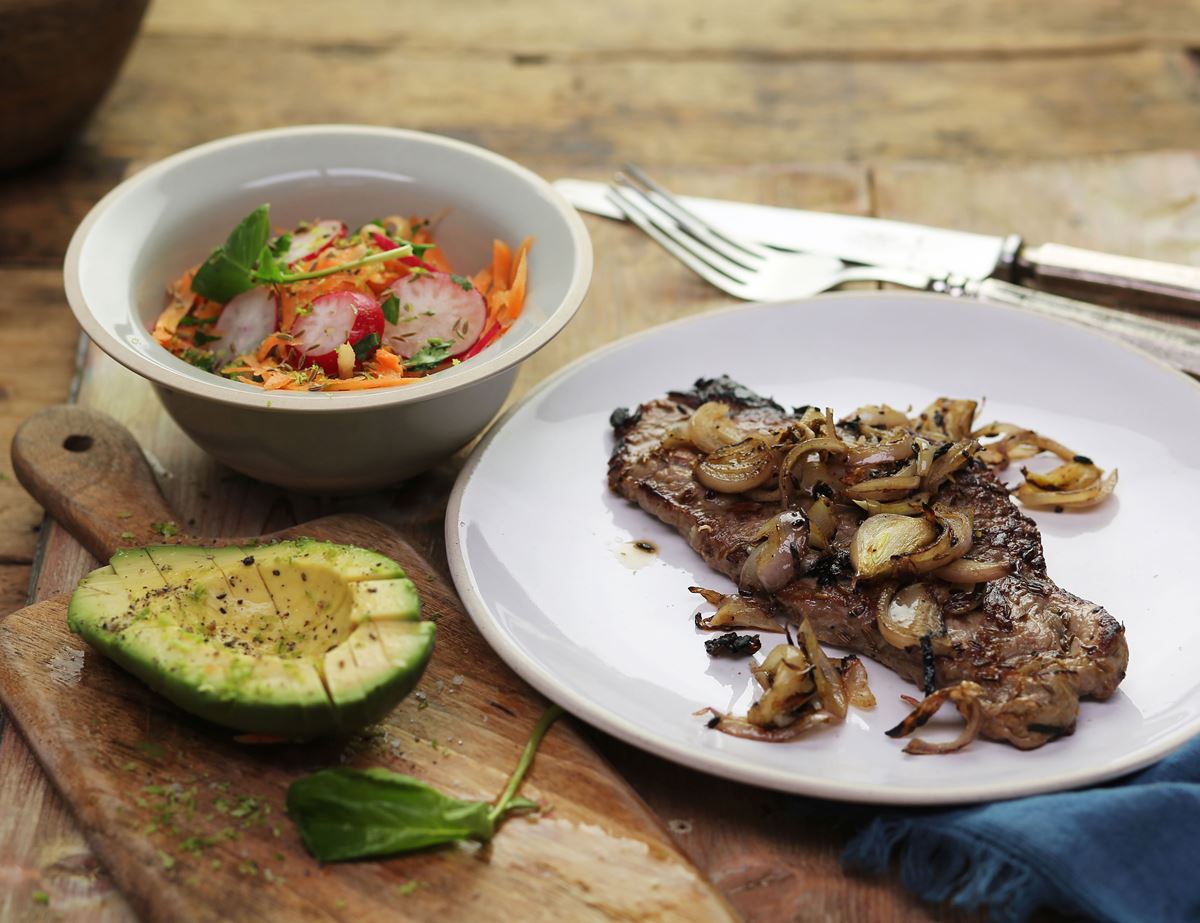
<point x="294" y="639"/>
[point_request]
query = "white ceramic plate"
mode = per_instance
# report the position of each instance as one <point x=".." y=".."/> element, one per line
<point x="535" y="537"/>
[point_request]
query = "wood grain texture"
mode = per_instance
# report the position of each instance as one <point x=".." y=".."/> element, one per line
<point x="149" y="783"/>
<point x="779" y="28"/>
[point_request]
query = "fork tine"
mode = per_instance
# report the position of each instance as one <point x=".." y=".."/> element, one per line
<point x="691" y="222"/>
<point x="636" y="201"/>
<point x="713" y="276"/>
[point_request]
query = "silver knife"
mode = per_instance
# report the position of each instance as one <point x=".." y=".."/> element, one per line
<point x="938" y="252"/>
<point x="966" y="261"/>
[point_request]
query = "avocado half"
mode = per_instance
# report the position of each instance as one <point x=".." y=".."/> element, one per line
<point x="294" y="639"/>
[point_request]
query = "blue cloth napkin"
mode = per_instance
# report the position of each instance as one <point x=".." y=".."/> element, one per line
<point x="1126" y="852"/>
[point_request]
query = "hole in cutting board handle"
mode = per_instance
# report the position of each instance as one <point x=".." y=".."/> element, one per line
<point x="77" y="442"/>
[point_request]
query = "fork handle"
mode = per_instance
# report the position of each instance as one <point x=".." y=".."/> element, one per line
<point x="1176" y="344"/>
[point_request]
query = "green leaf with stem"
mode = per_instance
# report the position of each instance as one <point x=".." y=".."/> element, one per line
<point x="354" y="814"/>
<point x="247" y="258"/>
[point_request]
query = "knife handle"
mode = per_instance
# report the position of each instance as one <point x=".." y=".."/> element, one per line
<point x="1136" y="282"/>
<point x="1177" y="345"/>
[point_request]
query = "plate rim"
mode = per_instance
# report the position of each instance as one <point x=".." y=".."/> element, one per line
<point x="714" y="762"/>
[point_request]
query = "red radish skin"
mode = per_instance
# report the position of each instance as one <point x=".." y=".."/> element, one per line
<point x="434" y="307"/>
<point x="247" y="320"/>
<point x="334" y="319"/>
<point x="314" y="239"/>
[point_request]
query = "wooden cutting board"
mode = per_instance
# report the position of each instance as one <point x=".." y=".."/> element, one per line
<point x="191" y="823"/>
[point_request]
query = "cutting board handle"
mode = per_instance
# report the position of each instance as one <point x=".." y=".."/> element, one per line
<point x="89" y="473"/>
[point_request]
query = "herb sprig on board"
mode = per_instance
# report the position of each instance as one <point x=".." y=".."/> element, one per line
<point x="359" y="813"/>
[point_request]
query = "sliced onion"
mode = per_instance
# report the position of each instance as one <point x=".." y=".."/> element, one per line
<point x="789" y="683"/>
<point x="947" y="463"/>
<point x="869" y="456"/>
<point x="966" y="695"/>
<point x="822" y="524"/>
<point x="829" y="682"/>
<point x="907" y="615"/>
<point x="880" y="416"/>
<point x="965" y="570"/>
<point x="735" y="612"/>
<point x="854" y="679"/>
<point x="948" y="417"/>
<point x="1068" y="499"/>
<point x="710" y="428"/>
<point x="1069" y="476"/>
<point x="886" y="537"/>
<point x="740" y="727"/>
<point x="773" y="562"/>
<point x="737" y="468"/>
<point x="893" y="487"/>
<point x="907" y="507"/>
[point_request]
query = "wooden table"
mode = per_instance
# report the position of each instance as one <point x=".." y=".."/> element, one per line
<point x="1073" y="120"/>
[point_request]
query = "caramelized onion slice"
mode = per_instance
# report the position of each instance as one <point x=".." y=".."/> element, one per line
<point x="854" y="679"/>
<point x="884" y="538"/>
<point x="830" y="689"/>
<point x="909" y="614"/>
<point x="965" y="570"/>
<point x="949" y="417"/>
<point x="774" y="561"/>
<point x="893" y="487"/>
<point x="880" y="416"/>
<point x="788" y="680"/>
<point x="734" y="469"/>
<point x="822" y="524"/>
<point x="734" y="612"/>
<point x="966" y="695"/>
<point x="1079" y="499"/>
<point x="710" y="428"/>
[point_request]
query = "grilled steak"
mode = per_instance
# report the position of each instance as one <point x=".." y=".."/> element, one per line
<point x="1033" y="648"/>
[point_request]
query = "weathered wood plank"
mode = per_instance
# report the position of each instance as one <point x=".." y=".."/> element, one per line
<point x="38" y="346"/>
<point x="627" y="28"/>
<point x="703" y="112"/>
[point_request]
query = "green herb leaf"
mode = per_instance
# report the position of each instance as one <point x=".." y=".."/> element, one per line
<point x="40" y="897"/>
<point x="353" y="813"/>
<point x="429" y="355"/>
<point x="201" y="338"/>
<point x="280" y="246"/>
<point x="364" y="347"/>
<point x="391" y="309"/>
<point x="201" y="358"/>
<point x="228" y="271"/>
<point x="191" y="320"/>
<point x="165" y="529"/>
<point x="462" y="282"/>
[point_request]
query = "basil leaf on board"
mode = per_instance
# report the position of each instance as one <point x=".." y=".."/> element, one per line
<point x="429" y="355"/>
<point x="364" y="347"/>
<point x="391" y="309"/>
<point x="356" y="813"/>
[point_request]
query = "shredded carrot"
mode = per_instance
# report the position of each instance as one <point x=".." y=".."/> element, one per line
<point x="388" y="361"/>
<point x="501" y="264"/>
<point x="502" y="284"/>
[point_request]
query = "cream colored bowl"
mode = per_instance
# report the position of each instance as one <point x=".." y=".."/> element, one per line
<point x="168" y="217"/>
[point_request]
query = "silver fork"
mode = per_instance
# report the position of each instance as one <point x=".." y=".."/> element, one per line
<point x="742" y="268"/>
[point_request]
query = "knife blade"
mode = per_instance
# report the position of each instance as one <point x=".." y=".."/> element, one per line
<point x="936" y="251"/>
<point x="871" y="241"/>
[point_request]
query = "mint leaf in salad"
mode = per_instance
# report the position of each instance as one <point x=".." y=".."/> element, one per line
<point x="364" y="347"/>
<point x="391" y="309"/>
<point x="358" y="813"/>
<point x="249" y="258"/>
<point x="429" y="355"/>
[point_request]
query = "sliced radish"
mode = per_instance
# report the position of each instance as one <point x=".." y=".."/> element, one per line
<point x="309" y="240"/>
<point x="247" y="320"/>
<point x="434" y="307"/>
<point x="333" y="320"/>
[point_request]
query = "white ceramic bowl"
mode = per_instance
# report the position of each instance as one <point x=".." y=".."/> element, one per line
<point x="168" y="217"/>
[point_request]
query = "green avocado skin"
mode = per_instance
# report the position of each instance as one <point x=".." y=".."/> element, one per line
<point x="170" y="615"/>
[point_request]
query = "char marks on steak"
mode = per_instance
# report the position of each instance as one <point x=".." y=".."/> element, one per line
<point x="1034" y="648"/>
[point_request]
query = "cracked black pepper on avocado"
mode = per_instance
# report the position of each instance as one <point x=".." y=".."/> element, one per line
<point x="294" y="639"/>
